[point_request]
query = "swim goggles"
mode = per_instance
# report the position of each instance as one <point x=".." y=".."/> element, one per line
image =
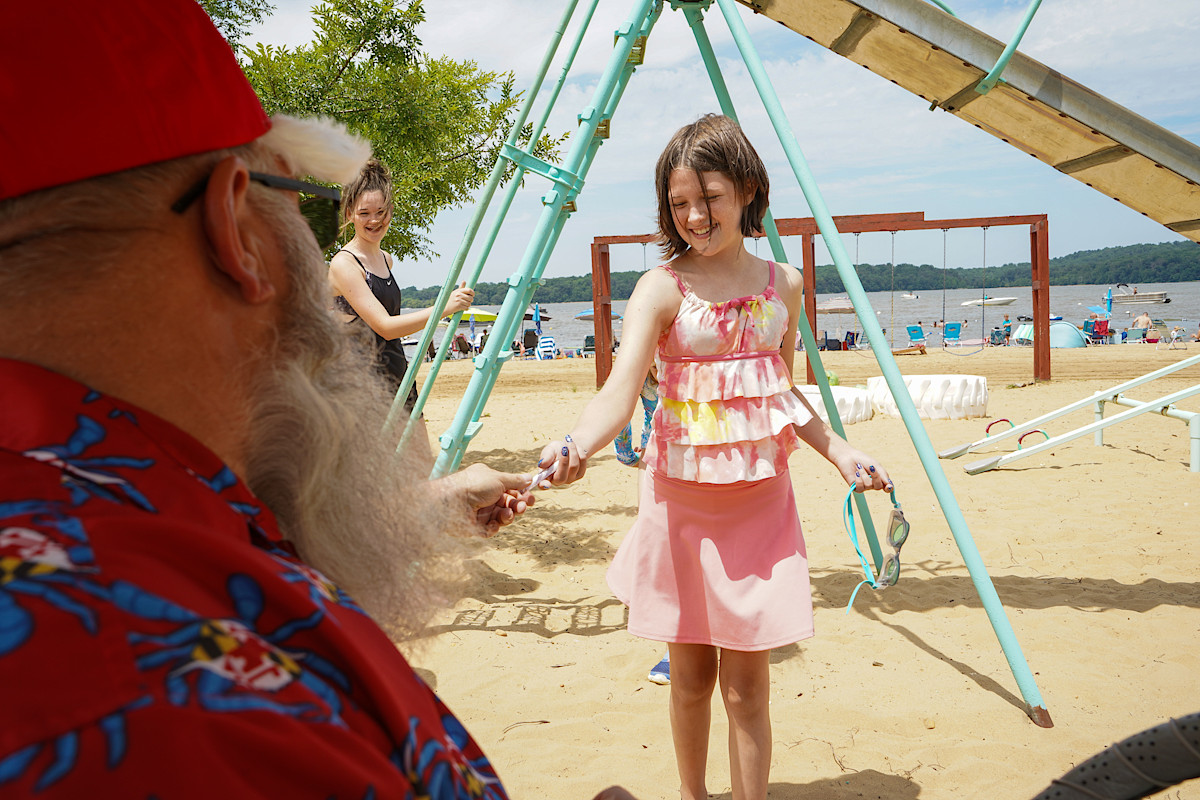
<point x="897" y="533"/>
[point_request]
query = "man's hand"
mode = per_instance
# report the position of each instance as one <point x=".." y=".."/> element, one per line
<point x="497" y="497"/>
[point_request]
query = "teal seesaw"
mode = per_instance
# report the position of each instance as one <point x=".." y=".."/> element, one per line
<point x="1162" y="405"/>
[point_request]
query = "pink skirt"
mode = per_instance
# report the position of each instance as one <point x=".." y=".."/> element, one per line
<point x="716" y="564"/>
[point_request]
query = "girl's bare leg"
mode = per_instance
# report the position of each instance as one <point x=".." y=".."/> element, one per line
<point x="693" y="678"/>
<point x="746" y="689"/>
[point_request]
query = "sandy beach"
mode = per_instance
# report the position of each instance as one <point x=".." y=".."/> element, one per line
<point x="1093" y="550"/>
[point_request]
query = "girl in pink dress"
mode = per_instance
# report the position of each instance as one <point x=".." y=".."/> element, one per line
<point x="715" y="565"/>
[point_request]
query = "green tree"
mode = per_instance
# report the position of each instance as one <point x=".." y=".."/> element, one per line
<point x="437" y="123"/>
<point x="234" y="17"/>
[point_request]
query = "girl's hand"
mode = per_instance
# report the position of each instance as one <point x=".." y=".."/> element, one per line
<point x="460" y="299"/>
<point x="569" y="461"/>
<point x="863" y="472"/>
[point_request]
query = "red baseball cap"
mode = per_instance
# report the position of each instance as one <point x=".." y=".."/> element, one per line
<point x="91" y="87"/>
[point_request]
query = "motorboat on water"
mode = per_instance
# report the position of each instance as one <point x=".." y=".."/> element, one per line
<point x="835" y="305"/>
<point x="909" y="296"/>
<point x="1135" y="297"/>
<point x="588" y="315"/>
<point x="991" y="301"/>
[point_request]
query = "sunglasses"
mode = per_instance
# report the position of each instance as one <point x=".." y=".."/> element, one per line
<point x="318" y="204"/>
<point x="897" y="533"/>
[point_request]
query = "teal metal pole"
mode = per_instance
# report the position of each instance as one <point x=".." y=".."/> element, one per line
<point x="694" y="12"/>
<point x="593" y="149"/>
<point x="944" y="7"/>
<point x="990" y="80"/>
<point x="452" y="441"/>
<point x="548" y="248"/>
<point x="891" y="373"/>
<point x="464" y="247"/>
<point x="506" y="202"/>
<point x="489" y="370"/>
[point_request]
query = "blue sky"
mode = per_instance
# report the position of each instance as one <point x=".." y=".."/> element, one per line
<point x="872" y="147"/>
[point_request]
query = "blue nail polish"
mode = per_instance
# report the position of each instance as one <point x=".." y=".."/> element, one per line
<point x="566" y="452"/>
<point x="872" y="469"/>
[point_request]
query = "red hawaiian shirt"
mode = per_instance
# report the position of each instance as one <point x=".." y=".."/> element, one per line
<point x="158" y="638"/>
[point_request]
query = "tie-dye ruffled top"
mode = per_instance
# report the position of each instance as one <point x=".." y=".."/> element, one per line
<point x="726" y="407"/>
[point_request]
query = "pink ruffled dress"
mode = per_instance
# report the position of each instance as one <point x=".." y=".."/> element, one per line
<point x="716" y="555"/>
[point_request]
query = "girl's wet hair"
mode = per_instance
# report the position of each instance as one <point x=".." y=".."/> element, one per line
<point x="713" y="143"/>
<point x="373" y="177"/>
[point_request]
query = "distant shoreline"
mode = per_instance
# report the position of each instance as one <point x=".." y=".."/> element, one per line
<point x="1166" y="262"/>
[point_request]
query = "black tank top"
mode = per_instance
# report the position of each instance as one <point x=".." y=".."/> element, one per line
<point x="392" y="361"/>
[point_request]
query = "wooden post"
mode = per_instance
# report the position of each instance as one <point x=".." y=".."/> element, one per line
<point x="1039" y="259"/>
<point x="809" y="248"/>
<point x="602" y="311"/>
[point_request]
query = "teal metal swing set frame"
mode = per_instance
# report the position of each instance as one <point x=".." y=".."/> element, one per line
<point x="567" y="182"/>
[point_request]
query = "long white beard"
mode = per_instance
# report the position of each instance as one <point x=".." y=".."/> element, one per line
<point x="366" y="517"/>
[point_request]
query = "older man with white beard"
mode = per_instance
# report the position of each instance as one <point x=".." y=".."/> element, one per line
<point x="196" y="503"/>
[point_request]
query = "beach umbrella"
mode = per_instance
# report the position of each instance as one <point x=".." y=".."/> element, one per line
<point x="537" y="320"/>
<point x="1108" y="301"/>
<point x="480" y="315"/>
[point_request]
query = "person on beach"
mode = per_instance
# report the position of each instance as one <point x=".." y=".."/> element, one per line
<point x="209" y="546"/>
<point x="627" y="453"/>
<point x="715" y="565"/>
<point x="361" y="275"/>
<point x="1142" y="321"/>
<point x="1006" y="326"/>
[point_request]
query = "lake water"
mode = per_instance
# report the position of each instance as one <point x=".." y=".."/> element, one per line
<point x="894" y="313"/>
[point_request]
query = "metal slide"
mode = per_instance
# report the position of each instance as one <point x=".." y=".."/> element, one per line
<point x="1080" y="133"/>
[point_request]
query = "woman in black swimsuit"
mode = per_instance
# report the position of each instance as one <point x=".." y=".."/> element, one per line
<point x="361" y="274"/>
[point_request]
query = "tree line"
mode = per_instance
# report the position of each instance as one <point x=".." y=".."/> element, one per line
<point x="1168" y="262"/>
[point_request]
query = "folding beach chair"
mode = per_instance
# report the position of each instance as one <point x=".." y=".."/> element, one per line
<point x="916" y="336"/>
<point x="529" y="342"/>
<point x="1099" y="333"/>
<point x="546" y="348"/>
<point x="1173" y="340"/>
<point x="951" y="333"/>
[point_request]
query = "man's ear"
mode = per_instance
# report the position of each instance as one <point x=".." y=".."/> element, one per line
<point x="234" y="231"/>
